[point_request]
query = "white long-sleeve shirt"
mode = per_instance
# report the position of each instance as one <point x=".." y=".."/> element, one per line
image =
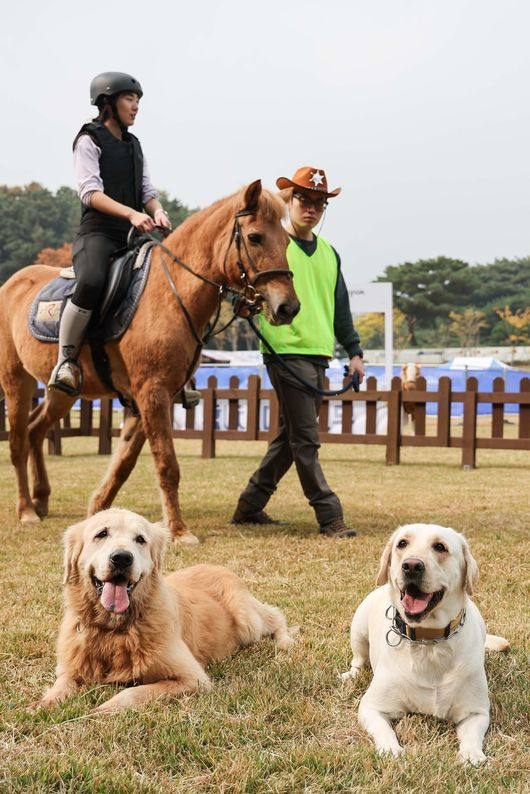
<point x="86" y="164"/>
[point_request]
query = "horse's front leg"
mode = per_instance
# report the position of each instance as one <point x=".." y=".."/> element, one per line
<point x="123" y="461"/>
<point x="156" y="406"/>
<point x="42" y="417"/>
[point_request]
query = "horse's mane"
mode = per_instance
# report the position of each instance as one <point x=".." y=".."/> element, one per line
<point x="270" y="208"/>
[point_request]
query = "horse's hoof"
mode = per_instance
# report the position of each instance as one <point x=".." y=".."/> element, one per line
<point x="186" y="539"/>
<point x="28" y="516"/>
<point x="41" y="508"/>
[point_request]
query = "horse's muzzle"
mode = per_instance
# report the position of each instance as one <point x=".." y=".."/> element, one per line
<point x="286" y="311"/>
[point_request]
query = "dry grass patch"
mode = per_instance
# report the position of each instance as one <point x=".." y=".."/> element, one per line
<point x="275" y="721"/>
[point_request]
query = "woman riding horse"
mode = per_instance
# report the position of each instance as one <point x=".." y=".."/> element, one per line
<point x="234" y="247"/>
<point x="114" y="188"/>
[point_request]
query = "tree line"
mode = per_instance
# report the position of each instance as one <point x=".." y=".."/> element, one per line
<point x="437" y="302"/>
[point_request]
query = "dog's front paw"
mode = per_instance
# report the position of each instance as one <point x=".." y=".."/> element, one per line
<point x="475" y="757"/>
<point x="32" y="708"/>
<point x="390" y="749"/>
<point x="349" y="674"/>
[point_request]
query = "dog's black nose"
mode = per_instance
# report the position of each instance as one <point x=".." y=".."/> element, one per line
<point x="121" y="559"/>
<point x="413" y="567"/>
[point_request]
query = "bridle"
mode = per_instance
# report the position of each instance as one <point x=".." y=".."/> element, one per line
<point x="247" y="298"/>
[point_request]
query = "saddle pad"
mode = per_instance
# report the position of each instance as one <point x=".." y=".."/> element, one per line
<point x="45" y="313"/>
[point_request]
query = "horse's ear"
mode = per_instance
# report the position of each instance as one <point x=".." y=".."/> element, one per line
<point x="251" y="196"/>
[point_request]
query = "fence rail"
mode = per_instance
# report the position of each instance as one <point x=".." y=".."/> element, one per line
<point x="393" y="437"/>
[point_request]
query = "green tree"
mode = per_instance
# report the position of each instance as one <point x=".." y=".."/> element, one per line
<point x="34" y="218"/>
<point x="429" y="289"/>
<point x="466" y="326"/>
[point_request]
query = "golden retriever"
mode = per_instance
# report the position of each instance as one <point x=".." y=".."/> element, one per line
<point x="126" y="623"/>
<point x="424" y="639"/>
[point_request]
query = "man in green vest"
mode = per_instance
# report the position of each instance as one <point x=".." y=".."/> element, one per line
<point x="307" y="346"/>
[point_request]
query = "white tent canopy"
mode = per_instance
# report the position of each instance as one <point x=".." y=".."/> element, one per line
<point x="478" y="362"/>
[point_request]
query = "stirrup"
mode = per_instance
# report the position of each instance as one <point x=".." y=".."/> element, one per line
<point x="66" y="385"/>
<point x="189" y="398"/>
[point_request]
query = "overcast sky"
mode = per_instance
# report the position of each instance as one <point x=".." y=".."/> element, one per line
<point x="418" y="109"/>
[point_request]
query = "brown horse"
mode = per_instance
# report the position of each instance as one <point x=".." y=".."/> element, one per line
<point x="151" y="362"/>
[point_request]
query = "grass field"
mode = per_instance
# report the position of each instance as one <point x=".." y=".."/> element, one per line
<point x="275" y="721"/>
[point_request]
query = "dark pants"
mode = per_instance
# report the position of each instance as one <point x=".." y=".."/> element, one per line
<point x="297" y="441"/>
<point x="91" y="254"/>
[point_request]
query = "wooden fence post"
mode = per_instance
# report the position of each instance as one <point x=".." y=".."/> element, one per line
<point x="469" y="432"/>
<point x="371" y="408"/>
<point x="393" y="430"/>
<point x="497" y="411"/>
<point x="210" y="404"/>
<point x="254" y="386"/>
<point x="524" y="410"/>
<point x="105" y="426"/>
<point x="86" y="418"/>
<point x="443" y="434"/>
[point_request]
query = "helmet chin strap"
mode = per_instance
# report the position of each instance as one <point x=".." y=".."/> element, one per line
<point x="121" y="125"/>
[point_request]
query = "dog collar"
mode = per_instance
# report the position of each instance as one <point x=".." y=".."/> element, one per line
<point x="421" y="635"/>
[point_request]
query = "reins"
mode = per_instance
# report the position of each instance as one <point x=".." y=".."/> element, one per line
<point x="353" y="384"/>
<point x="248" y="299"/>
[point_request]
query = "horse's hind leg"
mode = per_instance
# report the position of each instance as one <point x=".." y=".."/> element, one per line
<point x="18" y="406"/>
<point x="132" y="439"/>
<point x="42" y="417"/>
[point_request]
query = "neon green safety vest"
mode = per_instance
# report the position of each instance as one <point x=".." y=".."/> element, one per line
<point x="314" y="279"/>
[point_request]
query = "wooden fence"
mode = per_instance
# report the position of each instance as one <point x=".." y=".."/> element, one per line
<point x="393" y="439"/>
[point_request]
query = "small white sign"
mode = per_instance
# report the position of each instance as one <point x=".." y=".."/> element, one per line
<point x="376" y="297"/>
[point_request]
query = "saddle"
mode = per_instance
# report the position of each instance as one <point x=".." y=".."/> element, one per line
<point x="127" y="276"/>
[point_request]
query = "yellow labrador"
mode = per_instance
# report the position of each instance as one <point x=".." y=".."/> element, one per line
<point x="424" y="639"/>
<point x="125" y="623"/>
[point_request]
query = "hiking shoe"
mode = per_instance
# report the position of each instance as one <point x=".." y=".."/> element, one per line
<point x="66" y="377"/>
<point x="337" y="529"/>
<point x="260" y="517"/>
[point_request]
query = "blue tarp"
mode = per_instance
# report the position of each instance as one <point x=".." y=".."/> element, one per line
<point x="458" y="378"/>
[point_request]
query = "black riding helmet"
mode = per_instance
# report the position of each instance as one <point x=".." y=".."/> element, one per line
<point x="107" y="84"/>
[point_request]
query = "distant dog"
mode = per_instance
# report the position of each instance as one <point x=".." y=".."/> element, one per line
<point x="425" y="639"/>
<point x="409" y="376"/>
<point x="124" y="623"/>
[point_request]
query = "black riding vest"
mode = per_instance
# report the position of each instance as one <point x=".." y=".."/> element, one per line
<point x="121" y="168"/>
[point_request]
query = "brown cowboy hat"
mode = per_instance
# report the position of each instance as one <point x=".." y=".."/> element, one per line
<point x="308" y="178"/>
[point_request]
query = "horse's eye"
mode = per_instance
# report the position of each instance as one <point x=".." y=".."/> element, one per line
<point x="402" y="544"/>
<point x="255" y="239"/>
<point x="140" y="539"/>
<point x="439" y="547"/>
<point x="103" y="534"/>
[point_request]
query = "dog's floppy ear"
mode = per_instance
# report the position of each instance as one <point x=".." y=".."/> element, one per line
<point x="384" y="563"/>
<point x="73" y="544"/>
<point x="160" y="536"/>
<point x="470" y="568"/>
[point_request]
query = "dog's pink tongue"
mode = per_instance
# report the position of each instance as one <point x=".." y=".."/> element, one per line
<point x="414" y="605"/>
<point x="114" y="597"/>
